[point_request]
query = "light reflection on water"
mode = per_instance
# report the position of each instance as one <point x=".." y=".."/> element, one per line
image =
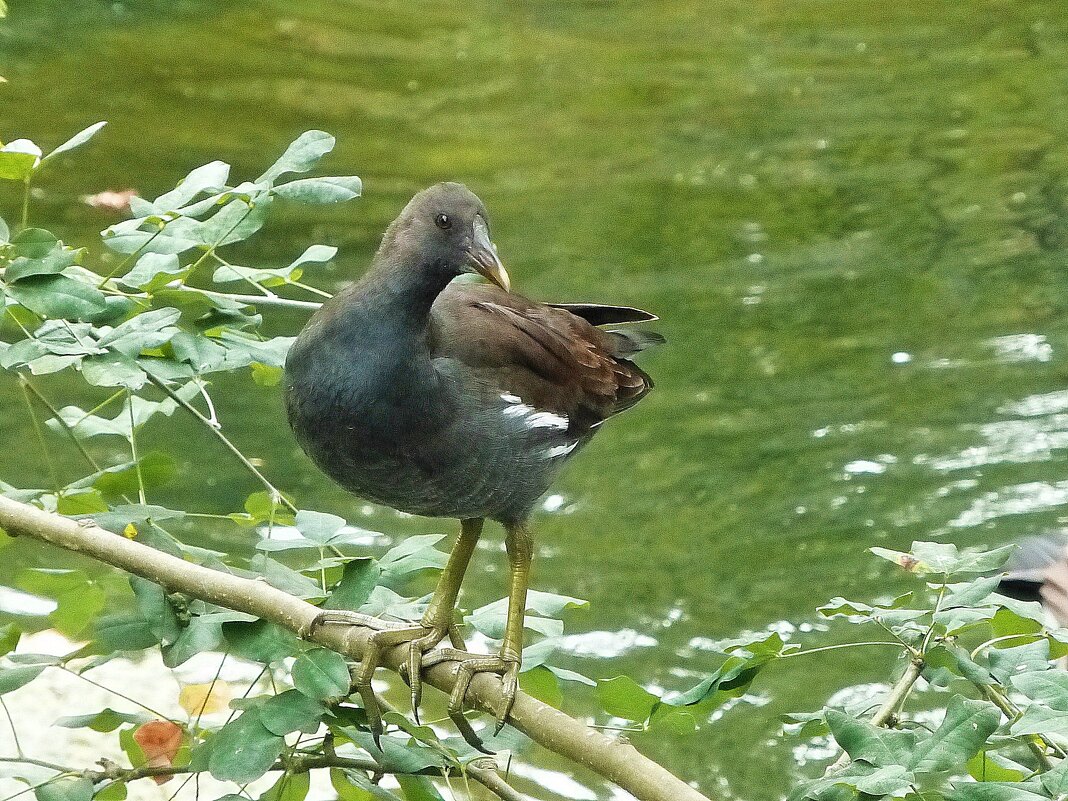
<point x="852" y="224"/>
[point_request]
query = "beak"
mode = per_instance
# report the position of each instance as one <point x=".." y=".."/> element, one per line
<point x="483" y="256"/>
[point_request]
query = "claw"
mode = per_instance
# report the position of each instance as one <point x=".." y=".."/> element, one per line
<point x="510" y="687"/>
<point x="468" y="665"/>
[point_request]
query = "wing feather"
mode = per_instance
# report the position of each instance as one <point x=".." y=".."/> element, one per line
<point x="554" y="359"/>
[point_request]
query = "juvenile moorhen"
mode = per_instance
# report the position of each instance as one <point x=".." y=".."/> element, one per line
<point x="454" y="400"/>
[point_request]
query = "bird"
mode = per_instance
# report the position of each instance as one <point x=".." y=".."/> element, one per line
<point x="455" y="399"/>
<point x="1038" y="571"/>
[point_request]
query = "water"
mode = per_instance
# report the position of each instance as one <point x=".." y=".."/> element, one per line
<point x="851" y="220"/>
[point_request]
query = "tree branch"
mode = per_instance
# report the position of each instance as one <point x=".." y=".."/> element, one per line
<point x="615" y="760"/>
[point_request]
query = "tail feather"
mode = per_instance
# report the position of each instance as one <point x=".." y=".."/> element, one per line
<point x="632" y="341"/>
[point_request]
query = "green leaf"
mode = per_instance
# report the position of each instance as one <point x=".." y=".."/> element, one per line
<point x="889" y="780"/>
<point x="541" y="683"/>
<point x="170" y="237"/>
<point x="989" y="766"/>
<point x="944" y="558"/>
<point x="291" y="711"/>
<point x="321" y="190"/>
<point x="399" y="756"/>
<point x="1055" y="781"/>
<point x="5" y="233"/>
<point x="1049" y="687"/>
<point x="318" y="526"/>
<point x="244" y="749"/>
<point x="1038" y="719"/>
<point x="289" y="787"/>
<point x="55" y="261"/>
<point x="1008" y="662"/>
<point x="67" y="788"/>
<point x="872" y="744"/>
<point x="114" y="792"/>
<point x="269" y="277"/>
<point x="211" y="177"/>
<point x="266" y="375"/>
<point x="156" y="468"/>
<point x="840" y="607"/>
<point x="58" y="296"/>
<point x="16" y="166"/>
<point x="322" y="674"/>
<point x="412" y="555"/>
<point x="997" y="791"/>
<point x="202" y="633"/>
<point x="970" y="593"/>
<point x="105" y="720"/>
<point x="358" y="579"/>
<point x="961" y="735"/>
<point x="490" y="619"/>
<point x="33" y="243"/>
<point x="11" y="678"/>
<point x="154" y="270"/>
<point x="77" y="140"/>
<point x="145" y="331"/>
<point x="123" y="632"/>
<point x="285" y="578"/>
<point x="314" y="253"/>
<point x="82" y="502"/>
<point x="9" y="638"/>
<point x="156" y="609"/>
<point x="263" y="507"/>
<point x="303" y="154"/>
<point x="622" y="697"/>
<point x="237" y="220"/>
<point x="261" y="641"/>
<point x="418" y="788"/>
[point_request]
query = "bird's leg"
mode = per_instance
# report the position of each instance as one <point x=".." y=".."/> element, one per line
<point x="437" y="623"/>
<point x="439" y="619"/>
<point x="520" y="546"/>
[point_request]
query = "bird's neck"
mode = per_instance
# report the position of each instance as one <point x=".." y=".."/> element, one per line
<point x="403" y="294"/>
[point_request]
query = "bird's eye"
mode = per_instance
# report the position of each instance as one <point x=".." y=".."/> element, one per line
<point x="443" y="222"/>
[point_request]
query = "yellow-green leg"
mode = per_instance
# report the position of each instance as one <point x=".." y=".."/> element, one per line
<point x="520" y="548"/>
<point x="437" y="623"/>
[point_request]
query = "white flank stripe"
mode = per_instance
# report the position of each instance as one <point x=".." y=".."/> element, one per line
<point x="508" y="397"/>
<point x="520" y="410"/>
<point x="546" y="420"/>
<point x="560" y="450"/>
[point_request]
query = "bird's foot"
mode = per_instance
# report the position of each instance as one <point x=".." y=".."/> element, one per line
<point x="419" y="639"/>
<point x="344" y="617"/>
<point x="468" y="665"/>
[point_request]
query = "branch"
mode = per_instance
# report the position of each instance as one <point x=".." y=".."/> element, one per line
<point x="302" y="764"/>
<point x="615" y="760"/>
<point x="889" y="706"/>
<point x="256" y="300"/>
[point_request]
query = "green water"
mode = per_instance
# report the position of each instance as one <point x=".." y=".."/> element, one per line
<point x="800" y="190"/>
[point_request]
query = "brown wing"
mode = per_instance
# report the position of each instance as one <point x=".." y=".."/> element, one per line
<point x="554" y="360"/>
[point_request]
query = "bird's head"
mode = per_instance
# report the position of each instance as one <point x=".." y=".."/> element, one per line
<point x="448" y="224"/>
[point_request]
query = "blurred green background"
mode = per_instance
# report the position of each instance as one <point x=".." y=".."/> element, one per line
<point x="851" y="218"/>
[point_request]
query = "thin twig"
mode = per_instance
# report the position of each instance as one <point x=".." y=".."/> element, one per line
<point x="275" y="492"/>
<point x="1034" y="742"/>
<point x="823" y="648"/>
<point x="62" y="423"/>
<point x="14" y="731"/>
<point x="133" y="451"/>
<point x="40" y="435"/>
<point x="116" y="693"/>
<point x="256" y="300"/>
<point x="889" y="706"/>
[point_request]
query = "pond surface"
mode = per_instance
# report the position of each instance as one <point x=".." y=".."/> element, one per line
<point x="851" y="219"/>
